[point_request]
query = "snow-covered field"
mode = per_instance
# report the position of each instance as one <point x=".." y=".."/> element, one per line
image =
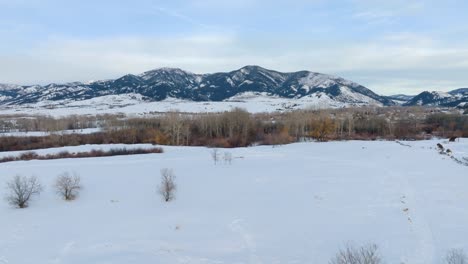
<point x="135" y="105"/>
<point x="297" y="203"/>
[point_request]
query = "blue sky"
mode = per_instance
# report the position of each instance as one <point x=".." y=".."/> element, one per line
<point x="389" y="46"/>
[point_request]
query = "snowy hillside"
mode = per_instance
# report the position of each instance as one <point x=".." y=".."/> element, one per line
<point x="135" y="104"/>
<point x="400" y="98"/>
<point x="166" y="83"/>
<point x="297" y="203"/>
<point x="456" y="98"/>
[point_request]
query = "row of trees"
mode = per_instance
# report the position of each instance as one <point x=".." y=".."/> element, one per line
<point x="49" y="124"/>
<point x="21" y="189"/>
<point x="238" y="128"/>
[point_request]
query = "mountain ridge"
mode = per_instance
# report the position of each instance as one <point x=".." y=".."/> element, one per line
<point x="162" y="83"/>
<point x="457" y="98"/>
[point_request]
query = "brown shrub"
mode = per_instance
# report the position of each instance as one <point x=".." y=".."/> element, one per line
<point x="92" y="153"/>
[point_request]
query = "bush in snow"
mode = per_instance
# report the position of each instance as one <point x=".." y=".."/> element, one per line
<point x="68" y="186"/>
<point x="227" y="157"/>
<point x="21" y="189"/>
<point x="363" y="255"/>
<point x="168" y="187"/>
<point x="440" y="147"/>
<point x="215" y="155"/>
<point x="456" y="256"/>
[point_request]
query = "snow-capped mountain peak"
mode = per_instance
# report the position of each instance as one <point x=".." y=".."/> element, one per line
<point x="162" y="83"/>
<point x="456" y="98"/>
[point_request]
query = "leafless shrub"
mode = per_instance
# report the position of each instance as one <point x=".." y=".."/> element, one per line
<point x="215" y="155"/>
<point x="227" y="157"/>
<point x="30" y="155"/>
<point x="68" y="186"/>
<point x="456" y="256"/>
<point x="21" y="189"/>
<point x="363" y="255"/>
<point x="168" y="186"/>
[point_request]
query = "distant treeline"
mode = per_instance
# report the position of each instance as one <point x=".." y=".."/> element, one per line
<point x="238" y="128"/>
<point x="18" y="123"/>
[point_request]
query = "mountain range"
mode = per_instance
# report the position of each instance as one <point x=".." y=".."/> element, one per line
<point x="166" y="83"/>
<point x="456" y="98"/>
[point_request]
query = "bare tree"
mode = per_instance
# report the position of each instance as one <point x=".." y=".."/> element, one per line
<point x="215" y="155"/>
<point x="456" y="256"/>
<point x="21" y="189"/>
<point x="168" y="186"/>
<point x="227" y="157"/>
<point x="68" y="186"/>
<point x="173" y="124"/>
<point x="363" y="255"/>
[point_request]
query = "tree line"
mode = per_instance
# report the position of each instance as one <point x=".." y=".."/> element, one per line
<point x="238" y="128"/>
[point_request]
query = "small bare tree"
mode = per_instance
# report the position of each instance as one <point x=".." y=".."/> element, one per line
<point x="21" y="189"/>
<point x="68" y="186"/>
<point x="456" y="256"/>
<point x="215" y="155"/>
<point x="168" y="186"/>
<point x="227" y="157"/>
<point x="363" y="255"/>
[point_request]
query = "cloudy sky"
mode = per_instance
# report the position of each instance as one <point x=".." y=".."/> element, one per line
<point x="397" y="46"/>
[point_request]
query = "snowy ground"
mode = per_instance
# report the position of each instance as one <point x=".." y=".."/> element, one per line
<point x="297" y="203"/>
<point x="135" y="105"/>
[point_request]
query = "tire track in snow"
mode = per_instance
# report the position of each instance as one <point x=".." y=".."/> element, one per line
<point x="424" y="253"/>
<point x="64" y="252"/>
<point x="237" y="227"/>
<point x="16" y="237"/>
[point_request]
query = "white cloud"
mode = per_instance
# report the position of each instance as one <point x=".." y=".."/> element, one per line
<point x="178" y="15"/>
<point x="417" y="58"/>
<point x="386" y="12"/>
<point x="223" y="3"/>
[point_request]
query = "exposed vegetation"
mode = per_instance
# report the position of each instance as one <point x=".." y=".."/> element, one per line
<point x="363" y="255"/>
<point x="238" y="128"/>
<point x="21" y="189"/>
<point x="68" y="186"/>
<point x="456" y="256"/>
<point x="10" y="123"/>
<point x="30" y="155"/>
<point x="168" y="187"/>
